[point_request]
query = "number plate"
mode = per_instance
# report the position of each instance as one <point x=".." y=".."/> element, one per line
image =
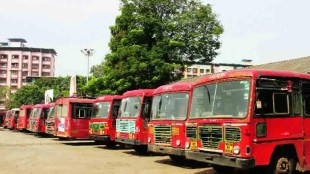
<point x="229" y="147"/>
<point x="193" y="145"/>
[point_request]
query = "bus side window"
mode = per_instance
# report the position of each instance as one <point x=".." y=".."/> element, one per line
<point x="307" y="105"/>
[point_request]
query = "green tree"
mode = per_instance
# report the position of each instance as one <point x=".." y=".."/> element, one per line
<point x="152" y="41"/>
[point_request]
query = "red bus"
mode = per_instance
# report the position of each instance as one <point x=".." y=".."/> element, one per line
<point x="102" y="126"/>
<point x="50" y="126"/>
<point x="6" y="119"/>
<point x="37" y="118"/>
<point x="134" y="114"/>
<point x="24" y="114"/>
<point x="12" y="120"/>
<point x="167" y="125"/>
<point x="73" y="115"/>
<point x="249" y="118"/>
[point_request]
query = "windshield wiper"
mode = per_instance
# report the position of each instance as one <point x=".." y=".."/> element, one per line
<point x="208" y="94"/>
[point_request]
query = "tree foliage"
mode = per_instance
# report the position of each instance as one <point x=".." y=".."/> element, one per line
<point x="152" y="41"/>
<point x="34" y="93"/>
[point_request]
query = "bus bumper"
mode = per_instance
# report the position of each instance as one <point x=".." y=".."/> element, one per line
<point x="99" y="137"/>
<point x="244" y="163"/>
<point x="166" y="150"/>
<point x="128" y="141"/>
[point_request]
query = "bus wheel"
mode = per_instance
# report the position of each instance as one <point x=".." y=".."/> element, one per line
<point x="177" y="159"/>
<point x="283" y="164"/>
<point x="223" y="169"/>
<point x="140" y="149"/>
<point x="62" y="138"/>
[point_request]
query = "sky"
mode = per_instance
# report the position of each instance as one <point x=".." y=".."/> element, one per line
<point x="264" y="31"/>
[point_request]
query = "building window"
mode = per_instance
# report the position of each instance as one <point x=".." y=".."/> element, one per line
<point x="46" y="66"/>
<point x="189" y="69"/>
<point x="35" y="66"/>
<point x="14" y="65"/>
<point x="34" y="74"/>
<point x="202" y="71"/>
<point x="25" y="73"/>
<point x="14" y="72"/>
<point x="207" y="70"/>
<point x="46" y="59"/>
<point x="3" y="65"/>
<point x="195" y="70"/>
<point x="4" y="56"/>
<point x="45" y="74"/>
<point x="2" y="80"/>
<point x="2" y="72"/>
<point x="25" y="65"/>
<point x="35" y="58"/>
<point x="13" y="80"/>
<point x="24" y="80"/>
<point x="15" y="57"/>
<point x="25" y="57"/>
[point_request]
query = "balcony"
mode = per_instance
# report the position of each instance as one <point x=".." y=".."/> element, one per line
<point x="46" y="70"/>
<point x="3" y="75"/>
<point x="15" y="60"/>
<point x="46" y="63"/>
<point x="3" y="60"/>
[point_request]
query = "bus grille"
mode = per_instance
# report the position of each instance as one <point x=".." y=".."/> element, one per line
<point x="162" y="134"/>
<point x="191" y="132"/>
<point x="232" y="134"/>
<point x="211" y="136"/>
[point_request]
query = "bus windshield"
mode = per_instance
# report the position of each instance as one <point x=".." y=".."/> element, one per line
<point x="170" y="106"/>
<point x="35" y="113"/>
<point x="51" y="113"/>
<point x="22" y="112"/>
<point x="130" y="107"/>
<point x="101" y="110"/>
<point x="61" y="110"/>
<point x="221" y="100"/>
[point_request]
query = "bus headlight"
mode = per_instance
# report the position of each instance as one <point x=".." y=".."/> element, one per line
<point x="149" y="140"/>
<point x="236" y="150"/>
<point x="187" y="145"/>
<point x="178" y="142"/>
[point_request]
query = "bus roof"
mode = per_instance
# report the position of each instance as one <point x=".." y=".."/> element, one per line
<point x="26" y="106"/>
<point x="73" y="100"/>
<point x="108" y="98"/>
<point x="44" y="105"/>
<point x="139" y="92"/>
<point x="175" y="87"/>
<point x="254" y="73"/>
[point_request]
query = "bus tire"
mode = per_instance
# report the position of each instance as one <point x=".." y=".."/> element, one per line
<point x="142" y="149"/>
<point x="283" y="163"/>
<point x="223" y="169"/>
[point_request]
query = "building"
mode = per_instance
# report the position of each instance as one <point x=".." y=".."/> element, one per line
<point x="19" y="63"/>
<point x="210" y="68"/>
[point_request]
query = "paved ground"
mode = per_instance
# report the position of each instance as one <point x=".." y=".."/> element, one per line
<point x="26" y="153"/>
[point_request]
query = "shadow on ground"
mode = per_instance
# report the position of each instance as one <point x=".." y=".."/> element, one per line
<point x="188" y="164"/>
<point x="79" y="143"/>
<point x="148" y="154"/>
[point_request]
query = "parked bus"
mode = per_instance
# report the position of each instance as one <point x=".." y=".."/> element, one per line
<point x="2" y="117"/>
<point x="73" y="115"/>
<point x="23" y="119"/>
<point x="134" y="114"/>
<point x="249" y="118"/>
<point x="167" y="125"/>
<point x="6" y="119"/>
<point x="102" y="126"/>
<point x="12" y="120"/>
<point x="50" y="123"/>
<point x="38" y="117"/>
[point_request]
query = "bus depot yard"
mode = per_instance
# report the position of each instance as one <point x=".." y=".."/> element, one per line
<point x="22" y="152"/>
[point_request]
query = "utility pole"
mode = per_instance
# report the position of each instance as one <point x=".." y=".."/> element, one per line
<point x="87" y="53"/>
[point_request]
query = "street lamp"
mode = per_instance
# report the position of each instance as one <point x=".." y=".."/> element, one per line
<point x="87" y="53"/>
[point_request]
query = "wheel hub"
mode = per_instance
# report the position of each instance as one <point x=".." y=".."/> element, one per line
<point x="283" y="166"/>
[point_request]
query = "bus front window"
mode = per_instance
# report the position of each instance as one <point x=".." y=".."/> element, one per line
<point x="35" y="113"/>
<point x="130" y="107"/>
<point x="224" y="99"/>
<point x="101" y="110"/>
<point x="171" y="106"/>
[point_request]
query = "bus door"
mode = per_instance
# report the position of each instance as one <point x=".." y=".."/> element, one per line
<point x="306" y="124"/>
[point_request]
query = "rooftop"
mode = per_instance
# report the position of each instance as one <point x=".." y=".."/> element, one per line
<point x="17" y="40"/>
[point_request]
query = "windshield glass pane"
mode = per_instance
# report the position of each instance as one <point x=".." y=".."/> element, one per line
<point x="22" y="112"/>
<point x="35" y="113"/>
<point x="225" y="99"/>
<point x="130" y="107"/>
<point x="101" y="110"/>
<point x="61" y="110"/>
<point x="51" y="112"/>
<point x="171" y="106"/>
